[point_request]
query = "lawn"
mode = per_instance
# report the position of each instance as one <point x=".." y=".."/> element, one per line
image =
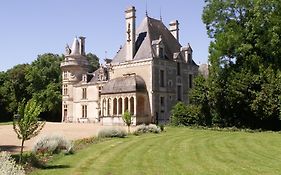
<point x="177" y="151"/>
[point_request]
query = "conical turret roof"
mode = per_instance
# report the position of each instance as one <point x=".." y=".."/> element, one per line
<point x="75" y="47"/>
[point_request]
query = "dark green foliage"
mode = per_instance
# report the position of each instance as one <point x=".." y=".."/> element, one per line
<point x="94" y="62"/>
<point x="41" y="80"/>
<point x="44" y="77"/>
<point x="243" y="88"/>
<point x="179" y="114"/>
<point x="183" y="114"/>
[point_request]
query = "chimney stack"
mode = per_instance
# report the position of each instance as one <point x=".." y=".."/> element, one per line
<point x="82" y="45"/>
<point x="187" y="53"/>
<point x="130" y="15"/>
<point x="174" y="29"/>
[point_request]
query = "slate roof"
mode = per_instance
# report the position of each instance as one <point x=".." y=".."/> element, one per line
<point x="129" y="83"/>
<point x="150" y="30"/>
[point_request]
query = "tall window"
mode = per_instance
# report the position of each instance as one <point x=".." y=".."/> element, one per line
<point x="84" y="111"/>
<point x="190" y="81"/>
<point x="65" y="75"/>
<point x="179" y="92"/>
<point x="65" y="91"/>
<point x="178" y="69"/>
<point x="162" y="104"/>
<point x="162" y="78"/>
<point x="65" y="111"/>
<point x="84" y="93"/>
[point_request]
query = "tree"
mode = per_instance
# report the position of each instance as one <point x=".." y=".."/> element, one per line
<point x="94" y="62"/>
<point x="127" y="118"/>
<point x="44" y="78"/>
<point x="26" y="123"/>
<point x="243" y="85"/>
<point x="14" y="88"/>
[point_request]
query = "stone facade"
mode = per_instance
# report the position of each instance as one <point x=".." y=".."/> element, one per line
<point x="147" y="77"/>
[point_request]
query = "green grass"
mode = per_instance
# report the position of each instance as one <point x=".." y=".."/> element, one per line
<point x="177" y="151"/>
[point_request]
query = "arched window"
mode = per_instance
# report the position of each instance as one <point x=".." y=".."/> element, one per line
<point x="126" y="100"/>
<point x="115" y="106"/>
<point x="109" y="107"/>
<point x="120" y="106"/>
<point x="132" y="105"/>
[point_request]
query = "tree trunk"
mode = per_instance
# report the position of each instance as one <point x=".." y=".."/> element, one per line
<point x="128" y="129"/>
<point x="21" y="150"/>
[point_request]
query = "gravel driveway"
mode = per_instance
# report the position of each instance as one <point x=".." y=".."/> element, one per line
<point x="72" y="131"/>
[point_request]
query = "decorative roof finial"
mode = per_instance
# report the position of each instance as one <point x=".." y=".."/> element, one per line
<point x="146" y="14"/>
<point x="160" y="14"/>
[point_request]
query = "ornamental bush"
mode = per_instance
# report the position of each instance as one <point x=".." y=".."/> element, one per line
<point x="151" y="128"/>
<point x="186" y="115"/>
<point x="52" y="144"/>
<point x="8" y="165"/>
<point x="112" y="132"/>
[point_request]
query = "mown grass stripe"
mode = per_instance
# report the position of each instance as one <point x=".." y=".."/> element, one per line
<point x="178" y="151"/>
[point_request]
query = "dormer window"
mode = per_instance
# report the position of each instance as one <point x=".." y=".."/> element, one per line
<point x="189" y="57"/>
<point x="84" y="78"/>
<point x="161" y="52"/>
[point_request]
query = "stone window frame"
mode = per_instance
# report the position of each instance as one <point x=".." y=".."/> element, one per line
<point x="84" y="111"/>
<point x="65" y="89"/>
<point x="84" y="93"/>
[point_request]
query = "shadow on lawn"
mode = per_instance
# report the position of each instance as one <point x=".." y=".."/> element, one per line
<point x="54" y="167"/>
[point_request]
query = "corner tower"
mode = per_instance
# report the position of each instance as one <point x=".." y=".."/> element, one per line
<point x="73" y="67"/>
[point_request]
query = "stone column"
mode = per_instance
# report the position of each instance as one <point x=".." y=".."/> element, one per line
<point x="117" y="106"/>
<point x="129" y="104"/>
<point x="135" y="105"/>
<point x="101" y="107"/>
<point x="123" y="105"/>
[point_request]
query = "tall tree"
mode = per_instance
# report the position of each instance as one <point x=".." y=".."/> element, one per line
<point x="245" y="53"/>
<point x="44" y="77"/>
<point x="94" y="61"/>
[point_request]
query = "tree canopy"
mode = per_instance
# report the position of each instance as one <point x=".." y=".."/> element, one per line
<point x="40" y="80"/>
<point x="244" y="84"/>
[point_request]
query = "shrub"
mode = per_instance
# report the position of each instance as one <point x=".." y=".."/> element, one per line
<point x="162" y="127"/>
<point x="146" y="129"/>
<point x="52" y="144"/>
<point x="187" y="115"/>
<point x="8" y="165"/>
<point x="127" y="118"/>
<point x="112" y="132"/>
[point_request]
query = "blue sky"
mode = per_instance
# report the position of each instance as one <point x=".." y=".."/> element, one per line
<point x="32" y="27"/>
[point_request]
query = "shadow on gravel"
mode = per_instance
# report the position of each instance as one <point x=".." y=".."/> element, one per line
<point x="10" y="148"/>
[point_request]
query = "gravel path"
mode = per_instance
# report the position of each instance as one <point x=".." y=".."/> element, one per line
<point x="72" y="131"/>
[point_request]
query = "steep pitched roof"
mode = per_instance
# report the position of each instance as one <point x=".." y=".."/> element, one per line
<point x="150" y="30"/>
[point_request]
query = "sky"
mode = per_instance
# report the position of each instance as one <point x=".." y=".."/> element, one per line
<point x="33" y="27"/>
